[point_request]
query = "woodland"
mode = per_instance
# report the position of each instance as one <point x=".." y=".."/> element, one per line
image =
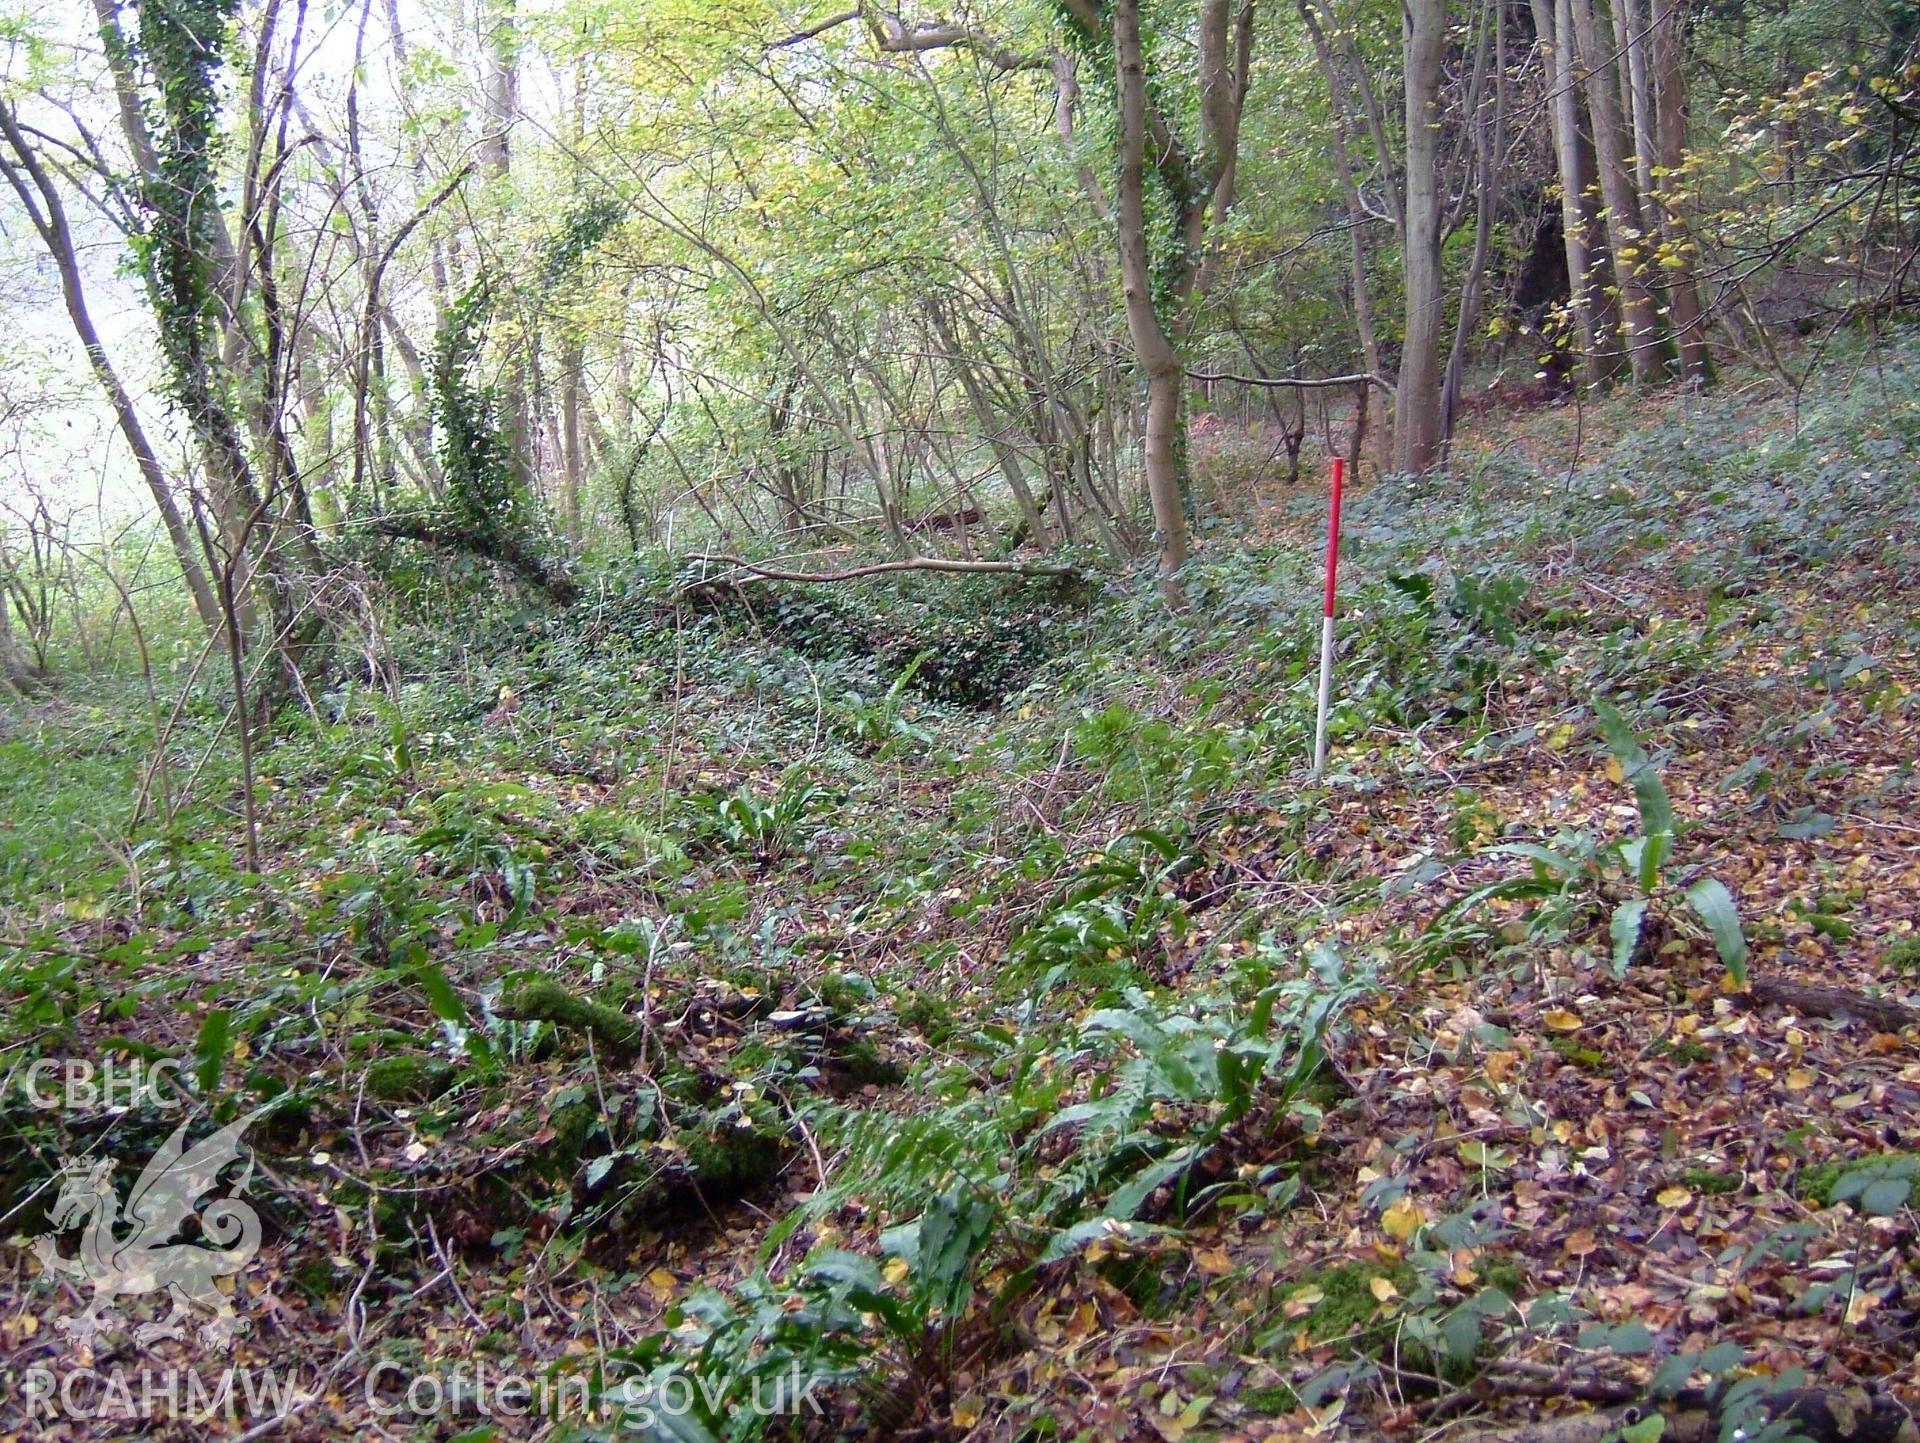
<point x="659" y="674"/>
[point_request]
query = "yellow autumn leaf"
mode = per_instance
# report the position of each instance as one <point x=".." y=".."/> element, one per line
<point x="1302" y="1301"/>
<point x="1615" y="772"/>
<point x="1403" y="1219"/>
<point x="967" y="1412"/>
<point x="1674" y="1198"/>
<point x="1561" y="737"/>
<point x="1213" y="1262"/>
<point x="896" y="1271"/>
<point x="1383" y="1289"/>
<point x="1561" y="1020"/>
<point x="1799" y="1079"/>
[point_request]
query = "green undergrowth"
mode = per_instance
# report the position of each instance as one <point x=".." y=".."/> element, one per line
<point x="955" y="926"/>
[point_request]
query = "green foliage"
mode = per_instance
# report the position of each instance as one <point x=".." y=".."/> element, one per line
<point x="542" y="999"/>
<point x="1113" y="908"/>
<point x="1878" y="1186"/>
<point x="744" y="821"/>
<point x="1574" y="875"/>
<point x="485" y="491"/>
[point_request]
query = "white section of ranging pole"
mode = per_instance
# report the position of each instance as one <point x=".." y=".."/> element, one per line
<point x="1326" y="697"/>
<point x="1326" y="617"/>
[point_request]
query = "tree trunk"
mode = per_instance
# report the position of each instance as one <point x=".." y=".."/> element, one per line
<point x="1553" y="24"/>
<point x="1636" y="89"/>
<point x="573" y="435"/>
<point x="1358" y="246"/>
<point x="1626" y="236"/>
<point x="1488" y="139"/>
<point x="1152" y="347"/>
<point x="1418" y="420"/>
<point x="499" y="37"/>
<point x="41" y="197"/>
<point x="1670" y="81"/>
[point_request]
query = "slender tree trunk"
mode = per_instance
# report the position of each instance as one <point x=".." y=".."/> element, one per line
<point x="1418" y="427"/>
<point x="500" y="40"/>
<point x="1157" y="355"/>
<point x="573" y="433"/>
<point x="1488" y="138"/>
<point x="1627" y="240"/>
<point x="40" y="195"/>
<point x="1358" y="247"/>
<point x="1670" y="81"/>
<point x="1553" y="25"/>
<point x="1636" y="91"/>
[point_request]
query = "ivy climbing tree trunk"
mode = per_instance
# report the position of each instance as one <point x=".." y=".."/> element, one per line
<point x="1159" y="358"/>
<point x="500" y="40"/>
<point x="1195" y="188"/>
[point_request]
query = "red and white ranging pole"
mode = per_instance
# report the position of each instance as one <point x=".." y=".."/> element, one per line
<point x="1326" y="621"/>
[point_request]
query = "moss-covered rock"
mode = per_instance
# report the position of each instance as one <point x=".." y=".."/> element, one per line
<point x="541" y="999"/>
<point x="406" y="1078"/>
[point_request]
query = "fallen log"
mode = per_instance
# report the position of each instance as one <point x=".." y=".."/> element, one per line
<point x="1816" y="1001"/>
<point x="737" y="568"/>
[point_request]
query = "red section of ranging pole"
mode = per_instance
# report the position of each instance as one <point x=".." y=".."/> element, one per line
<point x="1333" y="530"/>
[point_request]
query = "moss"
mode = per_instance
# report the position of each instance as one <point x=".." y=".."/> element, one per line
<point x="930" y="1015"/>
<point x="1902" y="956"/>
<point x="541" y="999"/>
<point x="1816" y="1184"/>
<point x="727" y="1162"/>
<point x="1707" y="1180"/>
<point x="406" y="1079"/>
<point x="1827" y="925"/>
<point x="1347" y="1311"/>
<point x="1587" y="1058"/>
<point x="379" y="1039"/>
<point x="859" y="1062"/>
<point x="1508" y="1274"/>
<point x="1267" y="1402"/>
<point x="1684" y="1052"/>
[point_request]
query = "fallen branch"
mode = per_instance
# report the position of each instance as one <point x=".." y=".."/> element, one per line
<point x="1816" y="1001"/>
<point x="756" y="572"/>
<point x="1294" y="383"/>
<point x="504" y="551"/>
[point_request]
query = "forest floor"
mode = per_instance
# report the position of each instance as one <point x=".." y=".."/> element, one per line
<point x="958" y="995"/>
